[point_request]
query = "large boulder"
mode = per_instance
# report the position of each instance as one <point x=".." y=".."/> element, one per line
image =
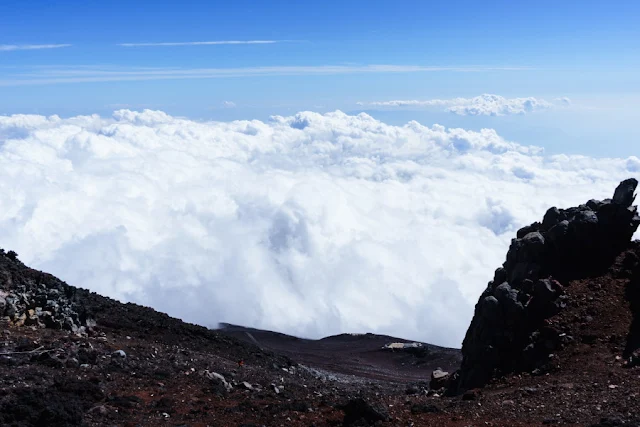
<point x="359" y="412"/>
<point x="219" y="384"/>
<point x="439" y="379"/>
<point x="624" y="194"/>
<point x="507" y="332"/>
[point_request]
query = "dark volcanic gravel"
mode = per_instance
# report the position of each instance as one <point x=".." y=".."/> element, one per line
<point x="127" y="365"/>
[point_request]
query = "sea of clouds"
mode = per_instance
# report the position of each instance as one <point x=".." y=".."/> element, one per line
<point x="310" y="224"/>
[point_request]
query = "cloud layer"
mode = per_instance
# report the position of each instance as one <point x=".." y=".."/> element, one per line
<point x="310" y="224"/>
<point x="483" y="105"/>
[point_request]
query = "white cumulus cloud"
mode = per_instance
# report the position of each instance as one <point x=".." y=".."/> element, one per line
<point x="483" y="105"/>
<point x="310" y="224"/>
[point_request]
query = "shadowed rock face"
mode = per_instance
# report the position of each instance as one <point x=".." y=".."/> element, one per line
<point x="508" y="331"/>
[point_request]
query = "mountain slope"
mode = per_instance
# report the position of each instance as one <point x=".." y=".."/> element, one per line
<point x="362" y="355"/>
<point x="561" y="345"/>
<point x="72" y="357"/>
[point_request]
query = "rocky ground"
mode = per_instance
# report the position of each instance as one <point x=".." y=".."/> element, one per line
<point x="354" y="356"/>
<point x="69" y="357"/>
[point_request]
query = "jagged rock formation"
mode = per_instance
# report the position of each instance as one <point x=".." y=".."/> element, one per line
<point x="38" y="299"/>
<point x="508" y="331"/>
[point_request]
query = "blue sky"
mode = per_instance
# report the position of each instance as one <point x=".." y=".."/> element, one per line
<point x="588" y="51"/>
<point x="317" y="222"/>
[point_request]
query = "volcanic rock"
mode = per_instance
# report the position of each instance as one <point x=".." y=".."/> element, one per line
<point x="221" y="386"/>
<point x="38" y="299"/>
<point x="507" y="333"/>
<point x="439" y="379"/>
<point x="362" y="413"/>
<point x="624" y="194"/>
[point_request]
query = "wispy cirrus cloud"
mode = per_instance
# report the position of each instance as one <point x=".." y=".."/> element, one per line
<point x="201" y="43"/>
<point x="60" y="75"/>
<point x="483" y="105"/>
<point x="408" y="103"/>
<point x="13" y="47"/>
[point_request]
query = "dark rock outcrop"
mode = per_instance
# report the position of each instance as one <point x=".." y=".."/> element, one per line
<point x="359" y="412"/>
<point x="38" y="299"/>
<point x="439" y="379"/>
<point x="508" y="331"/>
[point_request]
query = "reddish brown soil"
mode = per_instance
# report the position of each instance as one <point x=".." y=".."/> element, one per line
<point x="161" y="381"/>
